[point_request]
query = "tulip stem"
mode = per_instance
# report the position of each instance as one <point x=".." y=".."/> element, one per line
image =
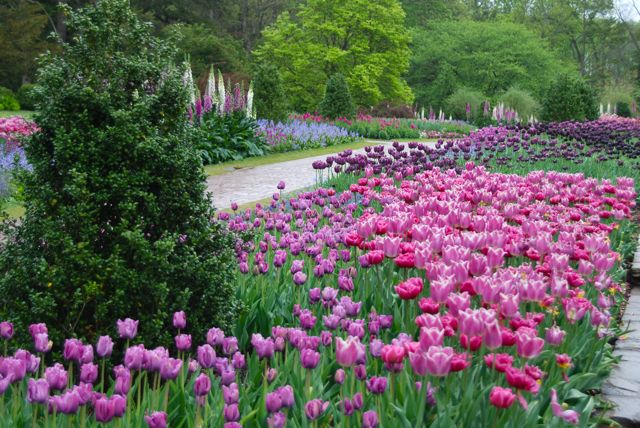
<point x="423" y="401"/>
<point x="308" y="384"/>
<point x="34" y="418"/>
<point x="102" y="375"/>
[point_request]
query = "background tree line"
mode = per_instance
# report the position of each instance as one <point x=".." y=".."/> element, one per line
<point x="390" y="51"/>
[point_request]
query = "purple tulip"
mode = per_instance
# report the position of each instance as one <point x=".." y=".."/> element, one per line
<point x="273" y="402"/>
<point x="286" y="396"/>
<point x="206" y="356"/>
<point x="38" y="329"/>
<point x="170" y="368"/>
<point x="179" y="320"/>
<point x="238" y="361"/>
<point x="119" y="405"/>
<point x="377" y="385"/>
<point x="134" y="357"/>
<point x="66" y="403"/>
<point x="215" y="336"/>
<point x="183" y="342"/>
<point x="315" y="408"/>
<point x="156" y="420"/>
<point x="127" y="329"/>
<point x="202" y="385"/>
<point x="56" y="376"/>
<point x="231" y="413"/>
<point x="369" y="419"/>
<point x="88" y="373"/>
<point x="263" y="347"/>
<point x="38" y="391"/>
<point x="6" y="330"/>
<point x="229" y="345"/>
<point x="73" y="349"/>
<point x="231" y="393"/>
<point x="42" y="343"/>
<point x="309" y="358"/>
<point x="123" y="380"/>
<point x="271" y="374"/>
<point x="339" y="376"/>
<point x="277" y="420"/>
<point x="104" y="347"/>
<point x="104" y="409"/>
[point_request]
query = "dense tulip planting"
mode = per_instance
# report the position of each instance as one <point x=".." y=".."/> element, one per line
<point x="299" y="135"/>
<point x="446" y="298"/>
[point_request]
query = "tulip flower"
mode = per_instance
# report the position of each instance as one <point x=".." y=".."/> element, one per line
<point x="127" y="329"/>
<point x="501" y="398"/>
<point x="179" y="320"/>
<point x="410" y="289"/>
<point x="315" y="408"/>
<point x="156" y="420"/>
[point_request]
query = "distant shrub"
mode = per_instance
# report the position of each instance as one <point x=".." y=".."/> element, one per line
<point x="569" y="98"/>
<point x="623" y="109"/>
<point x="270" y="98"/>
<point x="388" y="109"/>
<point x="337" y="100"/>
<point x="521" y="101"/>
<point x="25" y="96"/>
<point x="456" y="103"/>
<point x="8" y="100"/>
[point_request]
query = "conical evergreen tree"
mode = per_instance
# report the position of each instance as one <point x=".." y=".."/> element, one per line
<point x="117" y="223"/>
<point x="337" y="100"/>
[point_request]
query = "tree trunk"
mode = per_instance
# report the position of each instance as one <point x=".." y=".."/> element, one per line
<point x="61" y="25"/>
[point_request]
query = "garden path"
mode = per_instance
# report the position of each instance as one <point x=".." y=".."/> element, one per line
<point x="253" y="184"/>
<point x="623" y="386"/>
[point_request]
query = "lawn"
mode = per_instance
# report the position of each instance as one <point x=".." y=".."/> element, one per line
<point x="27" y="114"/>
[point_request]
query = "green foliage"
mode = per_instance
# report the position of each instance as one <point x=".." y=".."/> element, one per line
<point x="26" y="96"/>
<point x="117" y="223"/>
<point x="569" y="98"/>
<point x="521" y="101"/>
<point x="232" y="136"/>
<point x="456" y="103"/>
<point x="623" y="109"/>
<point x="270" y="99"/>
<point x="366" y="41"/>
<point x="22" y="27"/>
<point x="337" y="100"/>
<point x="204" y="46"/>
<point x="489" y="57"/>
<point x="8" y="100"/>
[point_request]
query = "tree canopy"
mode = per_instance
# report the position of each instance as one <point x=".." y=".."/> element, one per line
<point x="365" y="41"/>
<point x="490" y="57"/>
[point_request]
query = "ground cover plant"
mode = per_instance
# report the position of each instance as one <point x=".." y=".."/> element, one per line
<point x="436" y="291"/>
<point x="12" y="129"/>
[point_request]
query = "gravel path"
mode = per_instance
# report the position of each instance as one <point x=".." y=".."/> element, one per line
<point x="253" y="184"/>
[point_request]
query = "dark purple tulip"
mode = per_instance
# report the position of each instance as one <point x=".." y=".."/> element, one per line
<point x="347" y="407"/>
<point x="38" y="391"/>
<point x="231" y="413"/>
<point x="228" y="375"/>
<point x="326" y="337"/>
<point x="309" y="358"/>
<point x="202" y="385"/>
<point x="357" y="401"/>
<point x="88" y="373"/>
<point x="206" y="356"/>
<point x="183" y="342"/>
<point x="377" y="385"/>
<point x="156" y="420"/>
<point x="179" y="320"/>
<point x="360" y="371"/>
<point x="119" y="405"/>
<point x="231" y="393"/>
<point x="6" y="330"/>
<point x="315" y="408"/>
<point x="104" y="347"/>
<point x="369" y="419"/>
<point x="104" y="409"/>
<point x="127" y="329"/>
<point x="273" y="402"/>
<point x="281" y="185"/>
<point x="263" y="347"/>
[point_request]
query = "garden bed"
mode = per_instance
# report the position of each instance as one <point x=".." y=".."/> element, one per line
<point x="414" y="286"/>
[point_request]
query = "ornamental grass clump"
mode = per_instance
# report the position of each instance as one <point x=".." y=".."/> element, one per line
<point x="116" y="219"/>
